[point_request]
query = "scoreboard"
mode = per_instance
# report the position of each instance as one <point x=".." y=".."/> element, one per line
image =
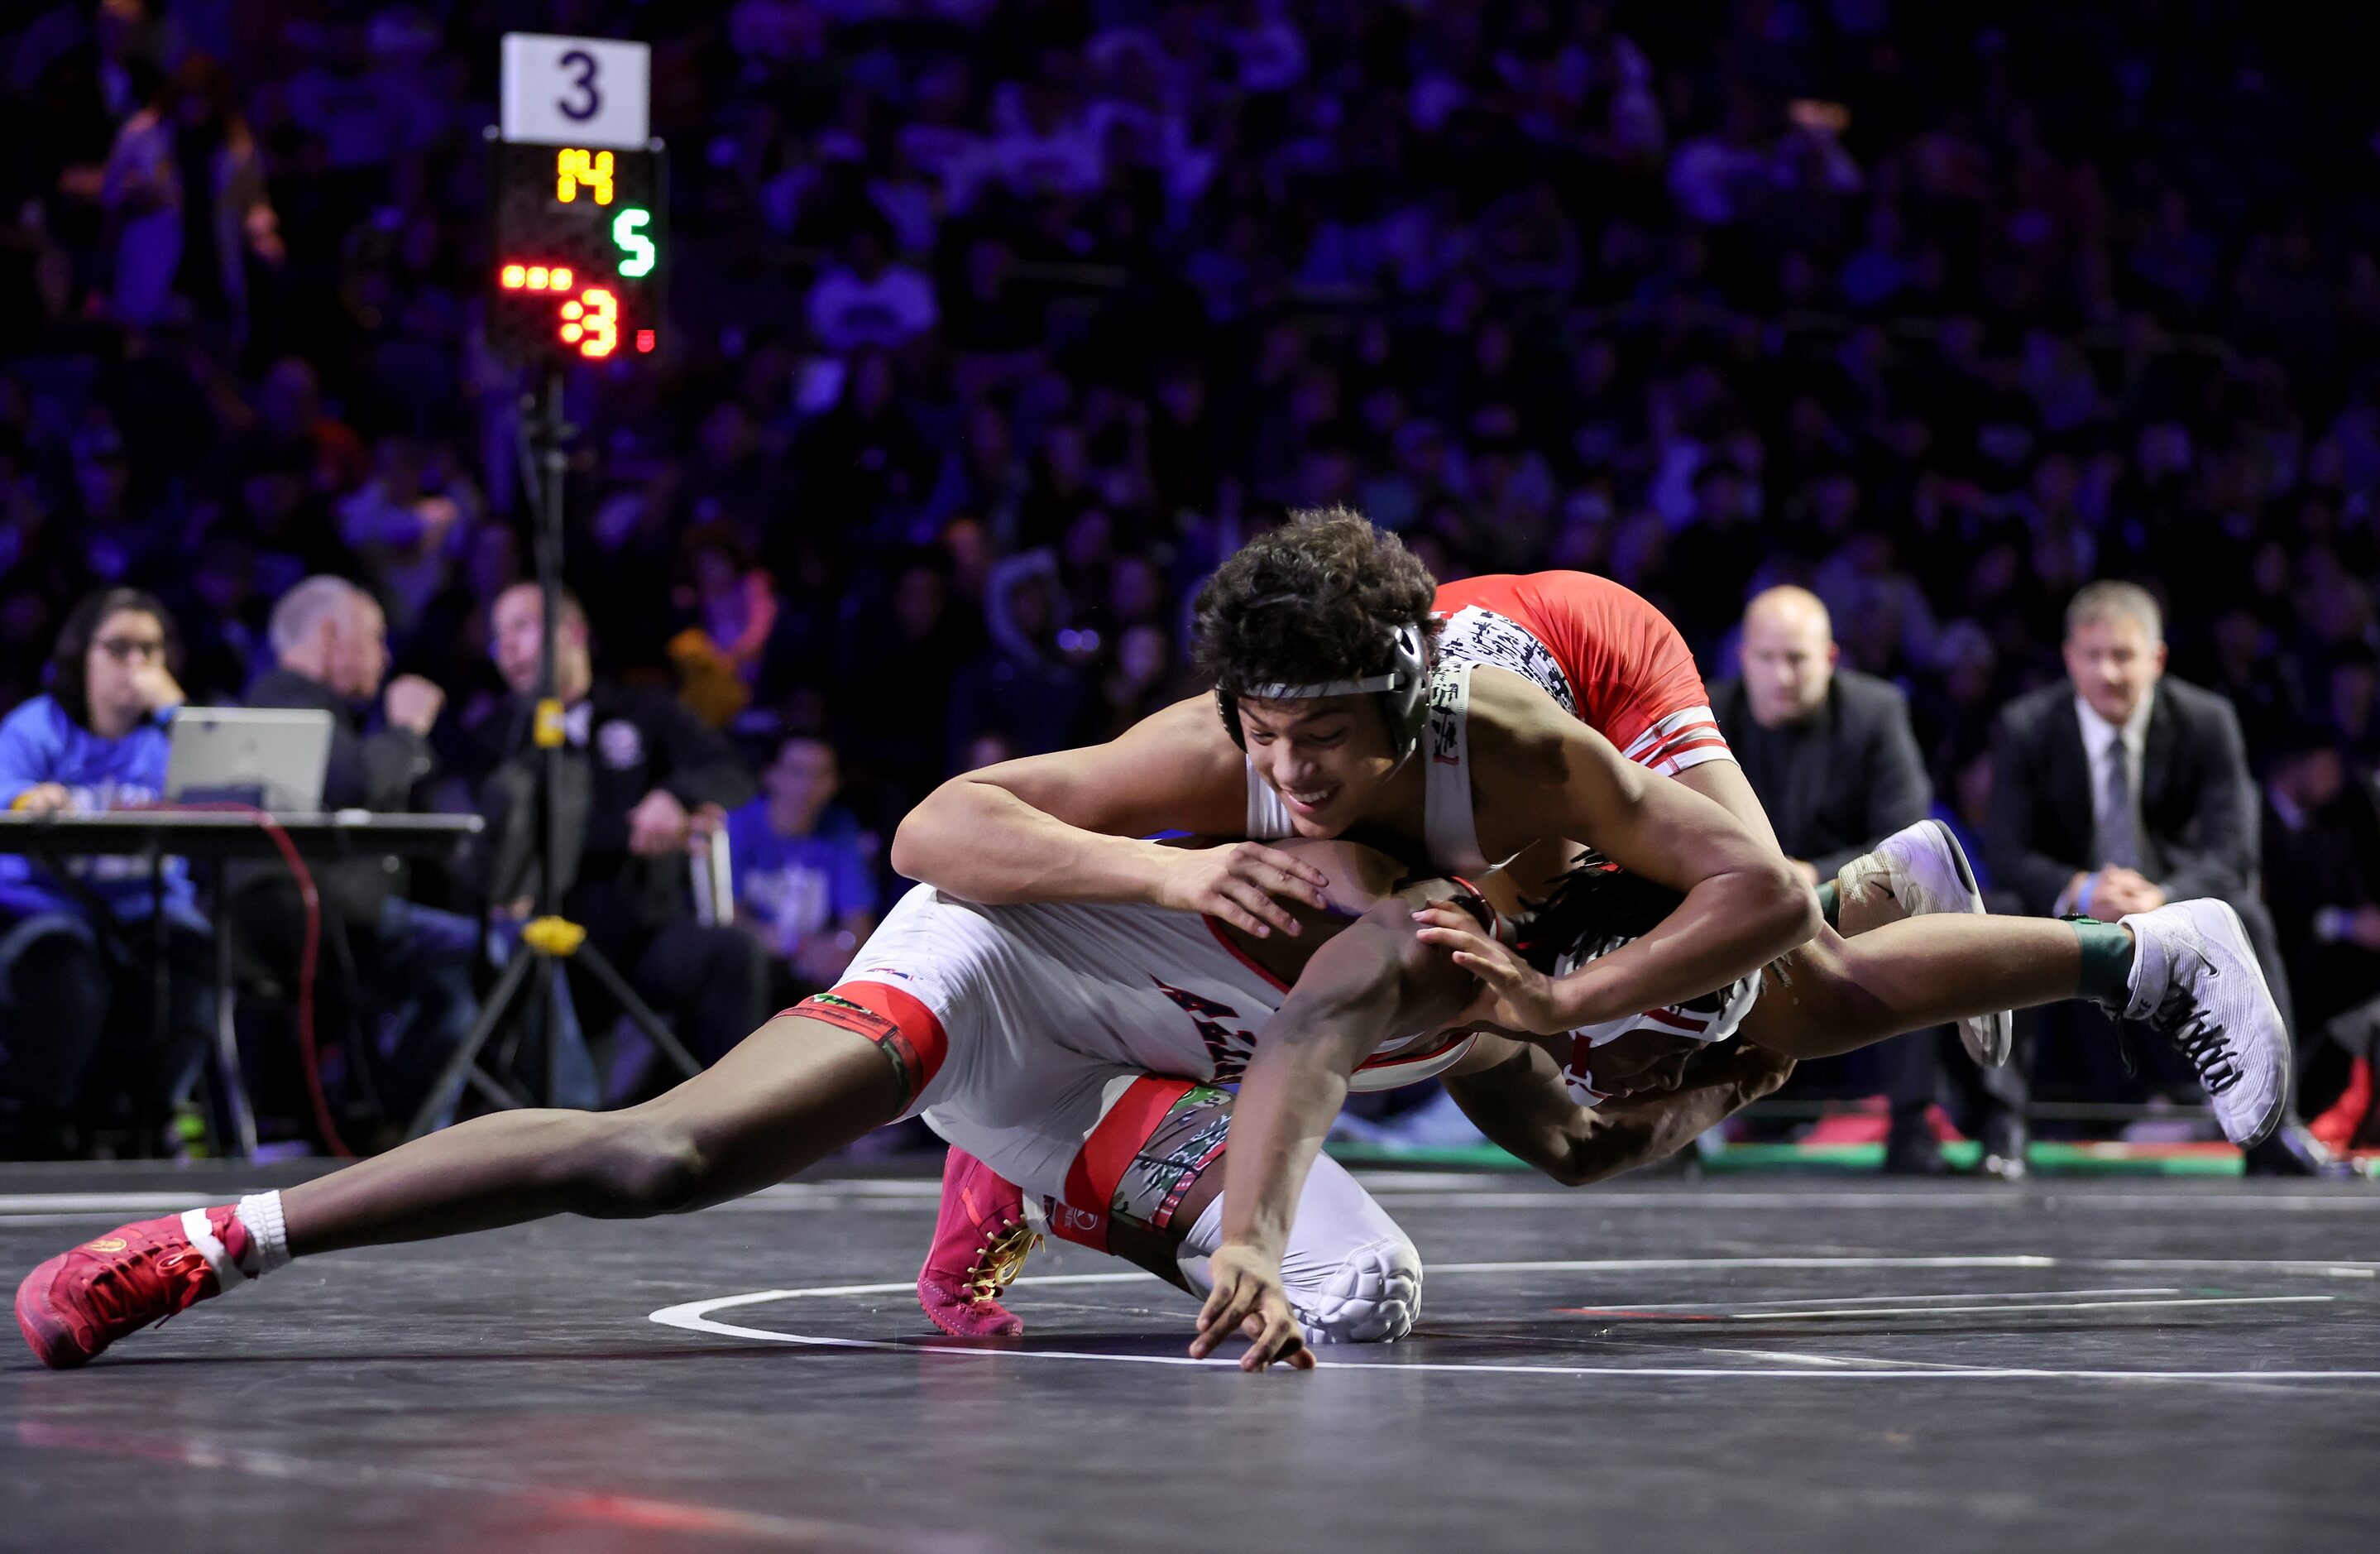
<point x="581" y="247"/>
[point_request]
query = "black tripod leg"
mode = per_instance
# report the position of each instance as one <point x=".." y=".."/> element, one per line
<point x="149" y="1105"/>
<point x="492" y="1014"/>
<point x="639" y="1011"/>
<point x="497" y="1094"/>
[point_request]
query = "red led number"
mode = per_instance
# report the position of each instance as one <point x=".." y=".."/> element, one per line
<point x="591" y="321"/>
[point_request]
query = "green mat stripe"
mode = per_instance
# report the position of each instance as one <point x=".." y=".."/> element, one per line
<point x="2048" y="1159"/>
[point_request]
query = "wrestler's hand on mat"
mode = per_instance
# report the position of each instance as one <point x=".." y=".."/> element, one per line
<point x="1248" y="1298"/>
<point x="1238" y="883"/>
<point x="1513" y="995"/>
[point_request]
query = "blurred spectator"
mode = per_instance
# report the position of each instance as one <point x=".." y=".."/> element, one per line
<point x="1140" y="678"/>
<point x="292" y="432"/>
<point x="1028" y="690"/>
<point x="2321" y="833"/>
<point x="77" y="951"/>
<point x="1830" y="754"/>
<point x="898" y="662"/>
<point x="868" y="300"/>
<point x="645" y="780"/>
<point x="404" y="983"/>
<point x="2120" y="788"/>
<point x="805" y="873"/>
<point x="1828" y="749"/>
<point x="186" y="190"/>
<point x="733" y="604"/>
<point x="410" y="522"/>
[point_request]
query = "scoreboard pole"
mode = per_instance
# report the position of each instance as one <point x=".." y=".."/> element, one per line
<point x="579" y="206"/>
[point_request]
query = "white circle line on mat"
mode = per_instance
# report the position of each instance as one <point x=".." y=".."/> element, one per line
<point x="696" y="1317"/>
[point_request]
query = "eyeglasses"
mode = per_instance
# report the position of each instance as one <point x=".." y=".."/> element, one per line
<point x="123" y="648"/>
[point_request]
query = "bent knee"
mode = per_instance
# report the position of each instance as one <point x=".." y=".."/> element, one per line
<point x="1372" y="1296"/>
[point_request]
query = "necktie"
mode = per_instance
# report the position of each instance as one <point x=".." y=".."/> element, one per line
<point x="2118" y="822"/>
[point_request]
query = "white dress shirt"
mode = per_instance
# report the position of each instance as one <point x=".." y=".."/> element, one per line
<point x="2099" y="738"/>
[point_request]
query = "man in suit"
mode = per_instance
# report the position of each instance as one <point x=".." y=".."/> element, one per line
<point x="1831" y="755"/>
<point x="399" y="978"/>
<point x="641" y="780"/>
<point x="2118" y="789"/>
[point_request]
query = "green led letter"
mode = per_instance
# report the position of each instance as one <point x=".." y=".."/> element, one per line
<point x="633" y="244"/>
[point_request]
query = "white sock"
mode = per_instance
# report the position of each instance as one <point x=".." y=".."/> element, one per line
<point x="267" y="1237"/>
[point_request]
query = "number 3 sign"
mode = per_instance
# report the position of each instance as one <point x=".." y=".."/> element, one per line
<point x="576" y="91"/>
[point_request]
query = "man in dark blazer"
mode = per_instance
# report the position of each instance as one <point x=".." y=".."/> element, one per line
<point x="399" y="979"/>
<point x="2119" y="789"/>
<point x="1831" y="753"/>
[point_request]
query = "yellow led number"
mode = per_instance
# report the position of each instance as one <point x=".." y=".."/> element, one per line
<point x="575" y="168"/>
<point x="591" y="320"/>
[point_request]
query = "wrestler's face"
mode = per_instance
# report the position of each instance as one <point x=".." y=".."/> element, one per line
<point x="1640" y="1063"/>
<point x="1326" y="757"/>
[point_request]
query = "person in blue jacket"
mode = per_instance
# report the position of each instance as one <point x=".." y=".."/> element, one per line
<point x="76" y="953"/>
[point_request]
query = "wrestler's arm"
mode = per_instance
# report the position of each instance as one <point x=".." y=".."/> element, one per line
<point x="1064" y="827"/>
<point x="1375" y="980"/>
<point x="1512" y="1091"/>
<point x="1541" y="772"/>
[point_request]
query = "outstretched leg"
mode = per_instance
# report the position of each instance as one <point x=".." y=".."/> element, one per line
<point x="1836" y="995"/>
<point x="790" y="1093"/>
<point x="2186" y="969"/>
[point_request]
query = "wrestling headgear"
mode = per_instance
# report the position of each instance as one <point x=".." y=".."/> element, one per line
<point x="1402" y="688"/>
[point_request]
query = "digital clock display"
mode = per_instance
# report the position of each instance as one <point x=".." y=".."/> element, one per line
<point x="579" y="252"/>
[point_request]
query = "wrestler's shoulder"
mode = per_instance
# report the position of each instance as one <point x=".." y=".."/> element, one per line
<point x="1516" y="727"/>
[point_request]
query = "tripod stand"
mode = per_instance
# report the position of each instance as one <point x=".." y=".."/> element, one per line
<point x="549" y="940"/>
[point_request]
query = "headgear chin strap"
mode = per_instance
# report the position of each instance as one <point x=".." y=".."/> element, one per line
<point x="1402" y="687"/>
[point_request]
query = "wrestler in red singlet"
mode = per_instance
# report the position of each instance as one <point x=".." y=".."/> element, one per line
<point x="1602" y="651"/>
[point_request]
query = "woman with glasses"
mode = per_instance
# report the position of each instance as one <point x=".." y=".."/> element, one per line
<point x="71" y="976"/>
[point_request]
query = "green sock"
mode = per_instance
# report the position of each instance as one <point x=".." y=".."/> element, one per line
<point x="2107" y="962"/>
<point x="1831" y="904"/>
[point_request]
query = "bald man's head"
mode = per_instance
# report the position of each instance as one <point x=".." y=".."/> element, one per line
<point x="1788" y="655"/>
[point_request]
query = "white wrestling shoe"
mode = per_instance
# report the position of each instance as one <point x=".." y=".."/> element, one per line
<point x="2196" y="981"/>
<point x="1924" y="870"/>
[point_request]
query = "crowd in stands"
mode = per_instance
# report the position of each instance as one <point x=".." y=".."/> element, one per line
<point x="995" y="324"/>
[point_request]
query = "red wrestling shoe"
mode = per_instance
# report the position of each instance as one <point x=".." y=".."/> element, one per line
<point x="80" y="1302"/>
<point x="981" y="1244"/>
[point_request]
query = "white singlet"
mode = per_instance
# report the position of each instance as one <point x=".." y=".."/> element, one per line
<point x="1048" y="1012"/>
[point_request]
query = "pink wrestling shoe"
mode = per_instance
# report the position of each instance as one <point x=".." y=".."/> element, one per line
<point x="981" y="1244"/>
<point x="80" y="1302"/>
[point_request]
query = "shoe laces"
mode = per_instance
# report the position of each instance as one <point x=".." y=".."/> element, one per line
<point x="999" y="1260"/>
<point x="116" y="1292"/>
<point x="2198" y="1038"/>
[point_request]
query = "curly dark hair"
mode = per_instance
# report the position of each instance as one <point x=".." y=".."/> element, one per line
<point x="1317" y="599"/>
<point x="1594" y="898"/>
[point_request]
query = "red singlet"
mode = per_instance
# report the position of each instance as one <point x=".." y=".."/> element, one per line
<point x="1607" y="656"/>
